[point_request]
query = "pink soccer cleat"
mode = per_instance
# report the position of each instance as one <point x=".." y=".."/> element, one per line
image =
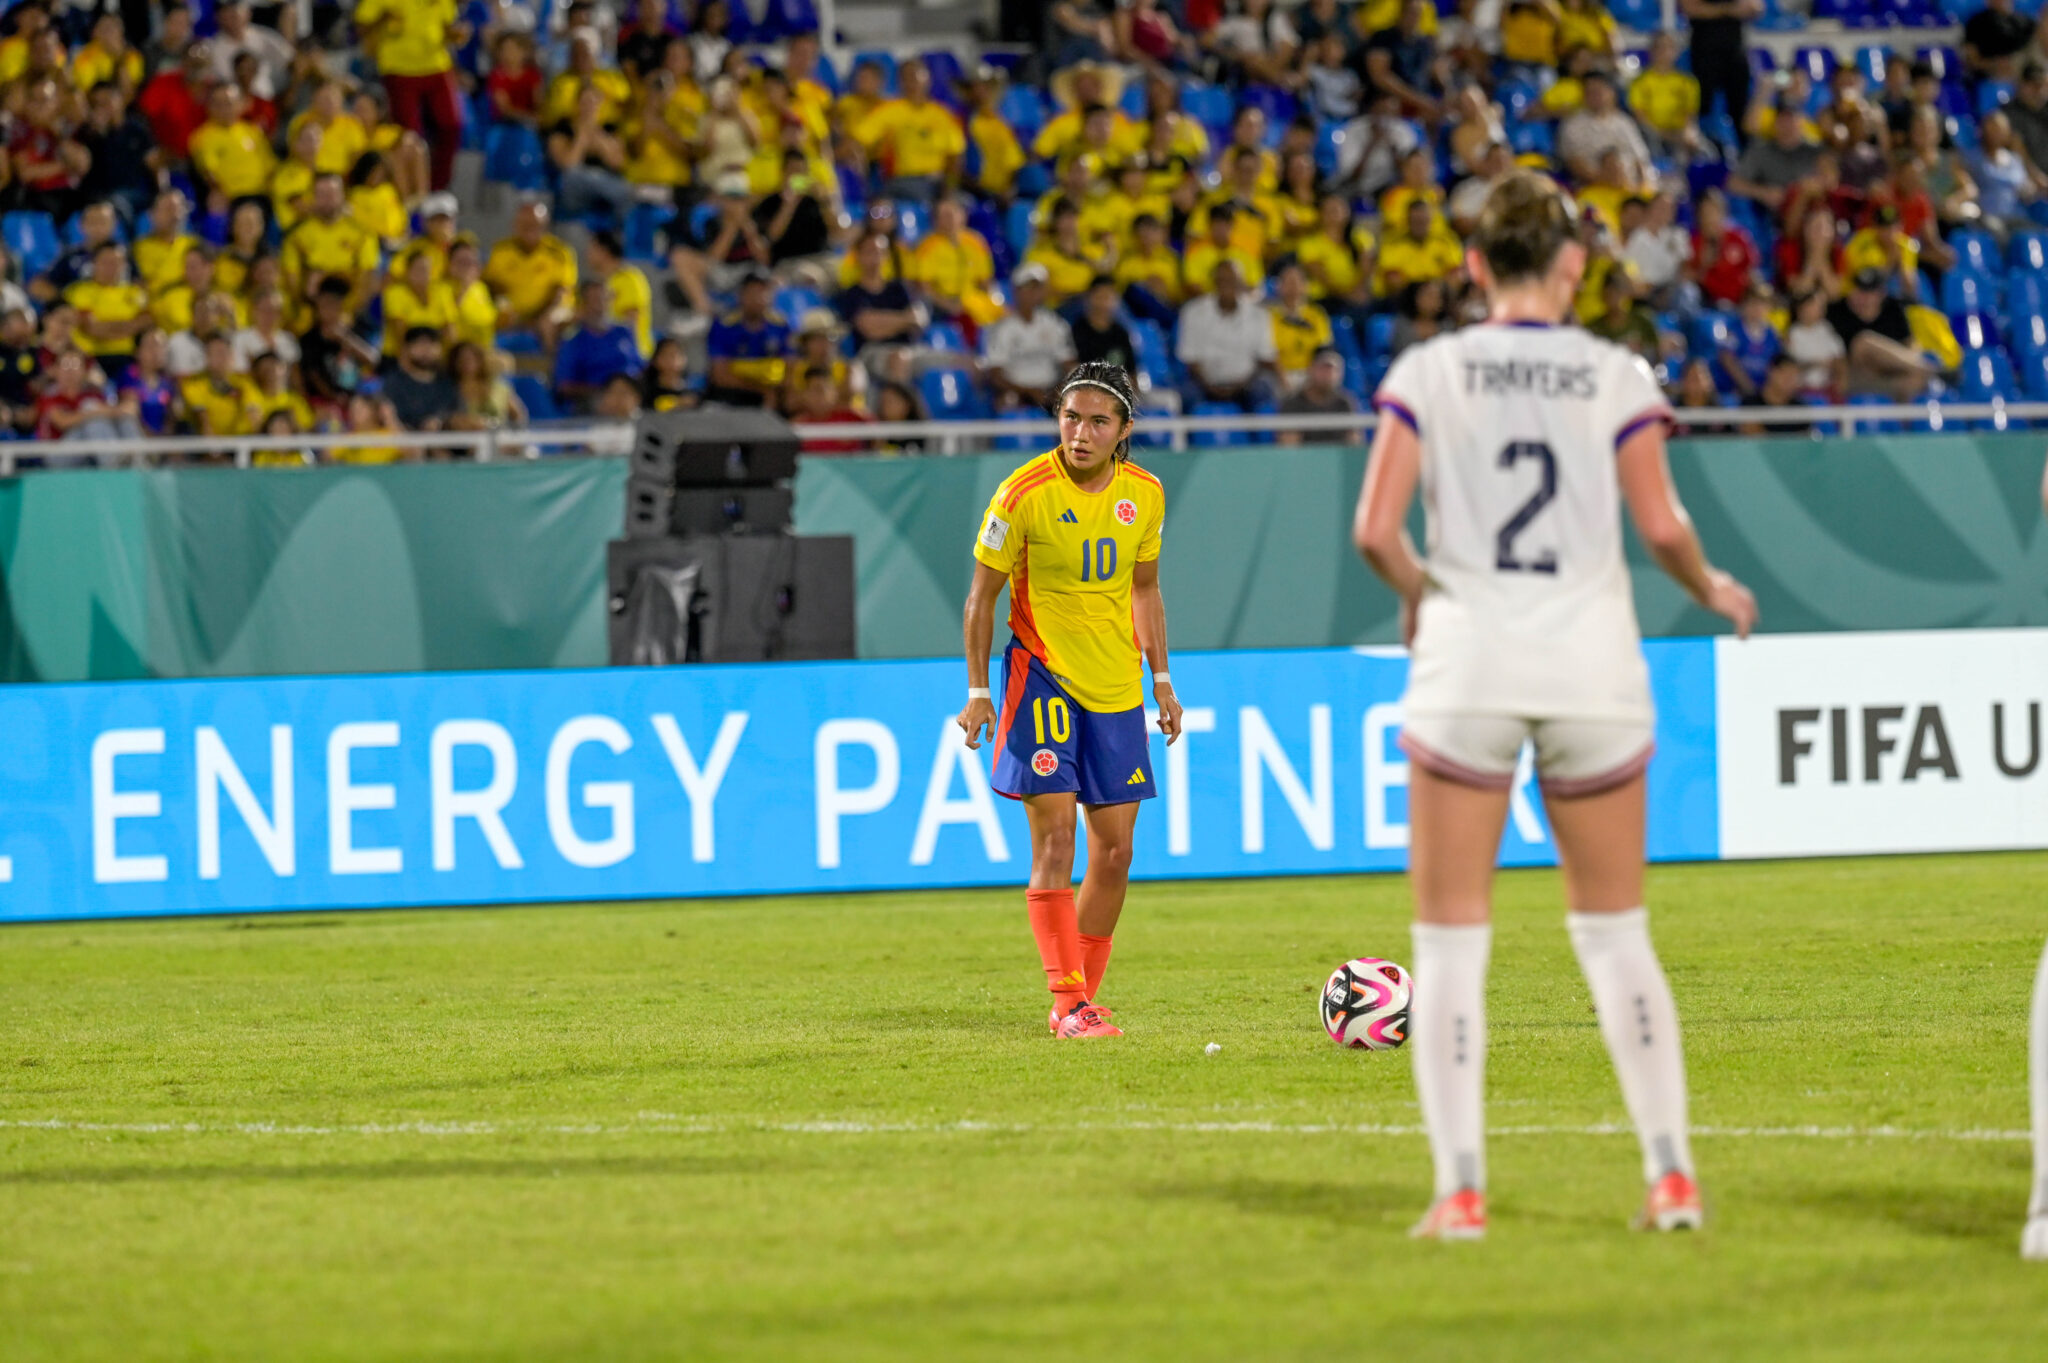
<point x="1087" y="1020"/>
<point x="1459" y="1216"/>
<point x="1673" y="1204"/>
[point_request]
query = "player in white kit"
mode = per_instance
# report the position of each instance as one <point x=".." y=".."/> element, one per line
<point x="1526" y="436"/>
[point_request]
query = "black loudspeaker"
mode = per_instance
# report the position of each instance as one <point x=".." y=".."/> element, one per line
<point x="656" y="511"/>
<point x="714" y="447"/>
<point x="731" y="599"/>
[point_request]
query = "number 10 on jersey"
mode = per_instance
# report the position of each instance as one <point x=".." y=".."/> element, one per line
<point x="1100" y="556"/>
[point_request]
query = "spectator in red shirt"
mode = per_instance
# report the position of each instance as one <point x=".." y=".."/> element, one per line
<point x="174" y="101"/>
<point x="1725" y="255"/>
<point x="1811" y="262"/>
<point x="71" y="403"/>
<point x="818" y="403"/>
<point x="514" y="82"/>
<point x="47" y="163"/>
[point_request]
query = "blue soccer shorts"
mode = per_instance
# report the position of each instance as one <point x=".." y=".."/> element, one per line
<point x="1046" y="744"/>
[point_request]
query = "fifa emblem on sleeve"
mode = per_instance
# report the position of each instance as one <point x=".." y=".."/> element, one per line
<point x="1126" y="511"/>
<point x="1045" y="761"/>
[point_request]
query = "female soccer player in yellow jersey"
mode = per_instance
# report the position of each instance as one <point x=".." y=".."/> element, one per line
<point x="1075" y="534"/>
<point x="1527" y="438"/>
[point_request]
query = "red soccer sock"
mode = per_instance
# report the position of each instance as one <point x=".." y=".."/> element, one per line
<point x="1058" y="932"/>
<point x="1094" y="960"/>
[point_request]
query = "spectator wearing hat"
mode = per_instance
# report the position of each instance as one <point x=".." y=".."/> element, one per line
<point x="532" y="274"/>
<point x="816" y="348"/>
<point x="1879" y="340"/>
<point x="413" y="44"/>
<point x="715" y="251"/>
<point x="747" y="347"/>
<point x="1028" y="351"/>
<point x="598" y="350"/>
<point x="1226" y="342"/>
<point x="877" y="308"/>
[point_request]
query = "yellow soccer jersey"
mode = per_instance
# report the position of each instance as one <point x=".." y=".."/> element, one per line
<point x="1070" y="556"/>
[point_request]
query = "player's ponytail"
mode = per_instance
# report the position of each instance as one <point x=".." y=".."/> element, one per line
<point x="1112" y="379"/>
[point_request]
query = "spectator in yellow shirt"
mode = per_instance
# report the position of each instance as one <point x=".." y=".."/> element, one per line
<point x="476" y="311"/>
<point x="1585" y="24"/>
<point x="1300" y="327"/>
<point x="917" y="139"/>
<point x="415" y="300"/>
<point x="1148" y="274"/>
<point x="112" y="310"/>
<point x="413" y="43"/>
<point x="993" y="139"/>
<point x="328" y="243"/>
<point x="230" y="153"/>
<point x="629" y="299"/>
<point x="107" y="56"/>
<point x="269" y="394"/>
<point x="1339" y="259"/>
<point x="656" y="133"/>
<point x="374" y="203"/>
<point x="291" y="184"/>
<point x="1666" y="100"/>
<point x="584" y="71"/>
<point x="1425" y="250"/>
<point x="533" y="275"/>
<point x="220" y="400"/>
<point x="342" y="135"/>
<point x="175" y="306"/>
<point x="953" y="267"/>
<point x="1220" y="242"/>
<point x="1068" y="263"/>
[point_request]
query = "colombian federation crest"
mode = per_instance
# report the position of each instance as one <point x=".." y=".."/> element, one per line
<point x="1126" y="511"/>
<point x="1045" y="761"/>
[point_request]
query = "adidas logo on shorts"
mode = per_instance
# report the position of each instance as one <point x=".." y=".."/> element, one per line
<point x="1137" y="778"/>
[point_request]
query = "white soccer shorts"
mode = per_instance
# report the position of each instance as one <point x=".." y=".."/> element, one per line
<point x="1574" y="757"/>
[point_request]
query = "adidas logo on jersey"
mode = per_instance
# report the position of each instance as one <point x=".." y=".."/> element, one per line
<point x="1137" y="778"/>
<point x="1069" y="517"/>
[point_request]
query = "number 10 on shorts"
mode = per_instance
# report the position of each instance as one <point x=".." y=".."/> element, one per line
<point x="1054" y="713"/>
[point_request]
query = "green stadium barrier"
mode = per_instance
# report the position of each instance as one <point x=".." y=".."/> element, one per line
<point x="108" y="575"/>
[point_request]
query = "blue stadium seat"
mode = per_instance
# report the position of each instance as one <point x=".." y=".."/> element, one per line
<point x="1154" y="356"/>
<point x="1818" y="62"/>
<point x="31" y="238"/>
<point x="1379" y="335"/>
<point x="1017" y="225"/>
<point x="535" y="397"/>
<point x="1133" y="101"/>
<point x="1988" y="374"/>
<point x="942" y="335"/>
<point x="513" y="156"/>
<point x="1022" y="440"/>
<point x="1034" y="179"/>
<point x="787" y="18"/>
<point x="1642" y="15"/>
<point x="1775" y="18"/>
<point x="1870" y="61"/>
<point x="1148" y="432"/>
<point x="1977" y="250"/>
<point x="1024" y="109"/>
<point x="882" y="57"/>
<point x="1329" y="147"/>
<point x="911" y="221"/>
<point x="1536" y="138"/>
<point x="1209" y="105"/>
<point x="1886" y="427"/>
<point x="1217" y="437"/>
<point x="951" y="395"/>
<point x="1992" y="95"/>
<point x="2029" y="334"/>
<point x="74" y="231"/>
<point x="1975" y="331"/>
<point x="1277" y="105"/>
<point x="1709" y="334"/>
<point x="643" y="229"/>
<point x="2028" y="251"/>
<point x="794" y="300"/>
<point x="1963" y="291"/>
<point x="947" y="75"/>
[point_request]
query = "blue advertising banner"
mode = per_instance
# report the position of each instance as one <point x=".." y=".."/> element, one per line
<point x="461" y="788"/>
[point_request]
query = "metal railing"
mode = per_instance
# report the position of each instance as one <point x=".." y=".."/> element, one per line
<point x="608" y="439"/>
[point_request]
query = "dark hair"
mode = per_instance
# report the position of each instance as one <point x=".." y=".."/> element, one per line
<point x="1526" y="221"/>
<point x="1113" y="379"/>
<point x="331" y="287"/>
<point x="365" y="166"/>
<point x="609" y="240"/>
<point x="422" y="334"/>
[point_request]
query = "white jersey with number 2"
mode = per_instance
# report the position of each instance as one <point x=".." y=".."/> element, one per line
<point x="1528" y="611"/>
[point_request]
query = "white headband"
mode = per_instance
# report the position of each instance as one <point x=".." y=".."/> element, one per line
<point x="1103" y="387"/>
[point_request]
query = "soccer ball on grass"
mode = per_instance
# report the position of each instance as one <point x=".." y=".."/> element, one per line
<point x="1365" y="1004"/>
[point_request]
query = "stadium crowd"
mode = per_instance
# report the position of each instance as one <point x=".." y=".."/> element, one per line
<point x="231" y="219"/>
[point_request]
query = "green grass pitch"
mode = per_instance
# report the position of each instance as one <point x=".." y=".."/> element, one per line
<point x="835" y="1128"/>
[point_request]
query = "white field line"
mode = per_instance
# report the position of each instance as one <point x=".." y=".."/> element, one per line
<point x="658" y="1123"/>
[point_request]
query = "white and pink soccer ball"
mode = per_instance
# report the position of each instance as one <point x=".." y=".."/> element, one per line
<point x="1365" y="1004"/>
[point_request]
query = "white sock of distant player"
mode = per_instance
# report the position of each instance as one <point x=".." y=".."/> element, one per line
<point x="1447" y="1039"/>
<point x="1640" y="1022"/>
<point x="2037" y="1065"/>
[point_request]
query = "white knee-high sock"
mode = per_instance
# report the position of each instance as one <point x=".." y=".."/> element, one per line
<point x="1447" y="1039"/>
<point x="1640" y="1023"/>
<point x="2037" y="1066"/>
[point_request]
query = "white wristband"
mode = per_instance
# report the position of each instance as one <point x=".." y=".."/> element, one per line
<point x="977" y="693"/>
<point x="1162" y="679"/>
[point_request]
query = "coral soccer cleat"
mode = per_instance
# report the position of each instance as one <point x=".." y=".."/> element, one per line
<point x="1673" y="1204"/>
<point x="1460" y="1216"/>
<point x="1087" y="1020"/>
